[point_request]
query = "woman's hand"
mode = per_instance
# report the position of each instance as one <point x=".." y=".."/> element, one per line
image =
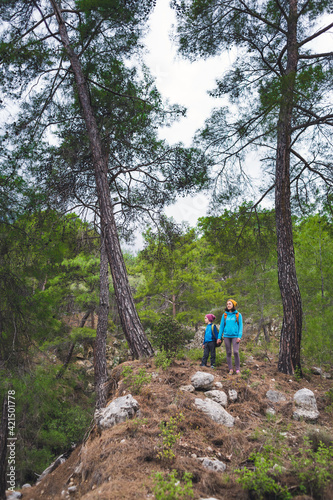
<point x="238" y="341"/>
<point x="218" y="342"/>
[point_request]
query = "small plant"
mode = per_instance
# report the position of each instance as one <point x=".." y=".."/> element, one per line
<point x="246" y="373"/>
<point x="314" y="469"/>
<point x="262" y="481"/>
<point x="136" y="381"/>
<point x="297" y="374"/>
<point x="163" y="359"/>
<point x="169" y="436"/>
<point x="195" y="354"/>
<point x="170" y="487"/>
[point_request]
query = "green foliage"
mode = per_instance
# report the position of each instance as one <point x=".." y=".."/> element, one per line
<point x="163" y="359"/>
<point x="169" y="436"/>
<point x="313" y="469"/>
<point x="168" y="334"/>
<point x="51" y="416"/>
<point x="135" y="381"/>
<point x="246" y="374"/>
<point x="169" y="487"/>
<point x="262" y="481"/>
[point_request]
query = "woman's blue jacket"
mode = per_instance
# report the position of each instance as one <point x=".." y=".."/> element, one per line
<point x="230" y="328"/>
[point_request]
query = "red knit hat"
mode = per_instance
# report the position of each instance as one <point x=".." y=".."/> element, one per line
<point x="210" y="317"/>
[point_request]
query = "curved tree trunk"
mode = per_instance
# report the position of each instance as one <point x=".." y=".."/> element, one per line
<point x="100" y="367"/>
<point x="130" y="322"/>
<point x="290" y="340"/>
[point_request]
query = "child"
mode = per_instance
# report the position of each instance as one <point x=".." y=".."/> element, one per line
<point x="209" y="343"/>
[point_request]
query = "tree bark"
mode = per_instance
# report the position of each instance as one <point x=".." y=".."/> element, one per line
<point x="290" y="340"/>
<point x="3" y="447"/>
<point x="101" y="374"/>
<point x="130" y="322"/>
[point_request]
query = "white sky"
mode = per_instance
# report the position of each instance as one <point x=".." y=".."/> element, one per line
<point x="186" y="84"/>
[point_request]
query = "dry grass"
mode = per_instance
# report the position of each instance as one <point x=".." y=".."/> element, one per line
<point x="118" y="463"/>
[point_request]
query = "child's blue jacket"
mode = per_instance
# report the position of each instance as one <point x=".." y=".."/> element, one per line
<point x="230" y="328"/>
<point x="209" y="335"/>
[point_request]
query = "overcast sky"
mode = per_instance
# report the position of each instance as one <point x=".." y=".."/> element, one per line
<point x="186" y="84"/>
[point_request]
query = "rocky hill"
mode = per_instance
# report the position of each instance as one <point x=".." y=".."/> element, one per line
<point x="207" y="425"/>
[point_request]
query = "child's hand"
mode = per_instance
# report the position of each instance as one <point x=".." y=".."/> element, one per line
<point x="237" y="341"/>
<point x="218" y="342"/>
<point x="203" y="346"/>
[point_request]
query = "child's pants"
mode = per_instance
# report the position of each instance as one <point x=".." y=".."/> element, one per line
<point x="209" y="349"/>
<point x="235" y="345"/>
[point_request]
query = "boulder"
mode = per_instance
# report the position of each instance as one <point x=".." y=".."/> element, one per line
<point x="117" y="411"/>
<point x="232" y="393"/>
<point x="215" y="412"/>
<point x="219" y="397"/>
<point x="213" y="464"/>
<point x="275" y="396"/>
<point x="202" y="381"/>
<point x="187" y="388"/>
<point x="306" y="404"/>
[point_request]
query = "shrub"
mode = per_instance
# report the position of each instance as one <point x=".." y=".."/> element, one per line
<point x="162" y="359"/>
<point x="135" y="381"/>
<point x="169" y="436"/>
<point x="170" y="487"/>
<point x="168" y="334"/>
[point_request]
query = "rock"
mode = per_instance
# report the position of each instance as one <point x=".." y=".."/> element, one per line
<point x="316" y="370"/>
<point x="214" y="465"/>
<point x="275" y="396"/>
<point x="58" y="461"/>
<point x="117" y="411"/>
<point x="187" y="388"/>
<point x="13" y="495"/>
<point x="232" y="393"/>
<point x="306" y="406"/>
<point x="327" y="375"/>
<point x="218" y="385"/>
<point x="72" y="489"/>
<point x="215" y="411"/>
<point x="219" y="396"/>
<point x="250" y="359"/>
<point x="270" y="411"/>
<point x="26" y="485"/>
<point x="202" y="381"/>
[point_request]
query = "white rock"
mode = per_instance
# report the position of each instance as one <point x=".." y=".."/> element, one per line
<point x="219" y="397"/>
<point x="316" y="370"/>
<point x="270" y="411"/>
<point x="202" y="380"/>
<point x="187" y="388"/>
<point x="306" y="404"/>
<point x="117" y="411"/>
<point x="232" y="393"/>
<point x="26" y="485"/>
<point x="218" y="385"/>
<point x="275" y="396"/>
<point x="13" y="495"/>
<point x="215" y="411"/>
<point x="213" y="464"/>
<point x="72" y="489"/>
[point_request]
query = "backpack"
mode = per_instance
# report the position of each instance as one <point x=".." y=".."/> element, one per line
<point x="237" y="317"/>
<point x="214" y="333"/>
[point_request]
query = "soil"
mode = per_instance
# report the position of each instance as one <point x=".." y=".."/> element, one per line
<point x="121" y="462"/>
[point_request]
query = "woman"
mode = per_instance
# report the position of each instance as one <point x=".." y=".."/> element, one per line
<point x="231" y="330"/>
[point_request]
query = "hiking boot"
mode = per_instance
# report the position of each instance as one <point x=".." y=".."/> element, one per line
<point x="231" y="372"/>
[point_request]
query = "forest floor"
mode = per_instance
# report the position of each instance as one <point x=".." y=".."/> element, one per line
<point x="122" y="462"/>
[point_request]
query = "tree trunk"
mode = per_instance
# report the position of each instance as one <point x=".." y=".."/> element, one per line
<point x="3" y="447"/>
<point x="101" y="373"/>
<point x="71" y="348"/>
<point x="290" y="340"/>
<point x="130" y="322"/>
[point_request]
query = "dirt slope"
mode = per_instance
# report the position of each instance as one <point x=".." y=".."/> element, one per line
<point x="118" y="463"/>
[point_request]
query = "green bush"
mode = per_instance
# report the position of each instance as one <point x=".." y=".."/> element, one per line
<point x="170" y="487"/>
<point x="168" y="334"/>
<point x="135" y="381"/>
<point x="163" y="359"/>
<point x="169" y="436"/>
